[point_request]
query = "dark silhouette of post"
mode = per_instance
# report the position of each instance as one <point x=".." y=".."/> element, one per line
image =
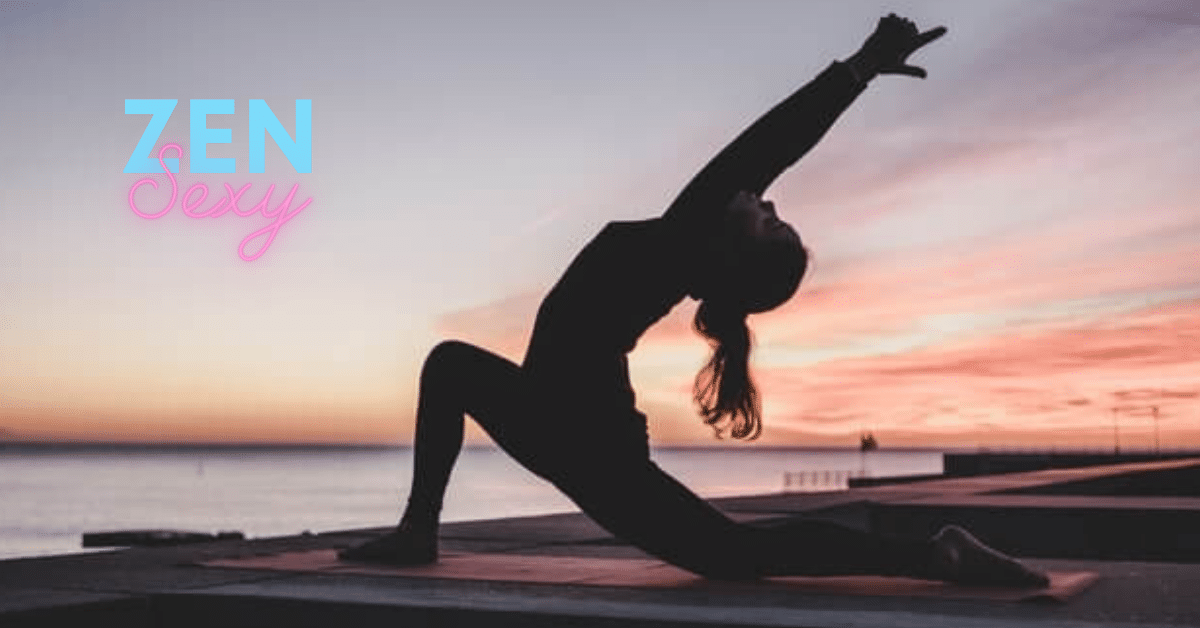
<point x="1116" y="435"/>
<point x="1156" y="429"/>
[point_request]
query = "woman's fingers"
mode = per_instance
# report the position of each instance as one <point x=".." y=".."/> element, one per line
<point x="920" y="39"/>
<point x="910" y="70"/>
<point x="894" y="40"/>
<point x="930" y="35"/>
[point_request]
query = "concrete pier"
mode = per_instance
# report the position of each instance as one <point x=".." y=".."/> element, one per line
<point x="1124" y="538"/>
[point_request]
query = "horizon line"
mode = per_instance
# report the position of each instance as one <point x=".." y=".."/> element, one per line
<point x="79" y="445"/>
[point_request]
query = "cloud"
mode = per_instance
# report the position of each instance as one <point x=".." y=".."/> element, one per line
<point x="1067" y="378"/>
<point x="1073" y="90"/>
<point x="1096" y="51"/>
<point x="502" y="326"/>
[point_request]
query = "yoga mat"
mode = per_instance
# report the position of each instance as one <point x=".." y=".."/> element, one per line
<point x="646" y="573"/>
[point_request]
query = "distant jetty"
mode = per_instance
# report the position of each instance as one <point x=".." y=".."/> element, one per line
<point x="154" y="538"/>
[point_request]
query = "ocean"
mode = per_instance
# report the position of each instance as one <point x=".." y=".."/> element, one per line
<point x="50" y="496"/>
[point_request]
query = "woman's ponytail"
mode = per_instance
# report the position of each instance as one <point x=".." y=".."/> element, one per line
<point x="723" y="388"/>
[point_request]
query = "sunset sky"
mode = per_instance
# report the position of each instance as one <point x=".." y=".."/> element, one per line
<point x="1003" y="253"/>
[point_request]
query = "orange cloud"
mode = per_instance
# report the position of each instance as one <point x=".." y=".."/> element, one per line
<point x="1063" y="382"/>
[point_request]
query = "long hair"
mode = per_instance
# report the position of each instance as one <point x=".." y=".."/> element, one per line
<point x="724" y="389"/>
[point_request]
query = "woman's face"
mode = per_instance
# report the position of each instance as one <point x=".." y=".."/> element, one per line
<point x="749" y="227"/>
<point x="749" y="217"/>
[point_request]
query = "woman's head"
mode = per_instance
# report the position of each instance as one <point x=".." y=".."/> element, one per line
<point x="758" y="261"/>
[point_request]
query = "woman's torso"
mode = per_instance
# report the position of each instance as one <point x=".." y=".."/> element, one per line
<point x="627" y="278"/>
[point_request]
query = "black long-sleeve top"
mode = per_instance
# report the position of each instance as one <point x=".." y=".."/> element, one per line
<point x="632" y="273"/>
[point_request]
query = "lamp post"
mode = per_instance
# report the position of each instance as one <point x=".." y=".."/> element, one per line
<point x="1155" y="429"/>
<point x="1116" y="435"/>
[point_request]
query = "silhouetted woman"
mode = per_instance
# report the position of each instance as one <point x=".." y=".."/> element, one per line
<point x="568" y="415"/>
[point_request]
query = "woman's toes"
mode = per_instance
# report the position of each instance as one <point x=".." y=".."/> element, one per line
<point x="960" y="557"/>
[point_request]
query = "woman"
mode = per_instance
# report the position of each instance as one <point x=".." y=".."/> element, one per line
<point x="567" y="412"/>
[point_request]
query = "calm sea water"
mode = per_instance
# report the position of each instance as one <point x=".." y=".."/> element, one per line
<point x="48" y="498"/>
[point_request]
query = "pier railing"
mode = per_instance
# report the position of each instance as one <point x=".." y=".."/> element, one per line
<point x="820" y="480"/>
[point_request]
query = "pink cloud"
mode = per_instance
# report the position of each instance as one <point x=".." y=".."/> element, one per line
<point x="502" y="326"/>
<point x="1055" y="379"/>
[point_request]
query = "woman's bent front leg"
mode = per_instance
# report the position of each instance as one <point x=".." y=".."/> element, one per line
<point x="456" y="379"/>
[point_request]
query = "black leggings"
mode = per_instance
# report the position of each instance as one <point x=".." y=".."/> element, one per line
<point x="615" y="483"/>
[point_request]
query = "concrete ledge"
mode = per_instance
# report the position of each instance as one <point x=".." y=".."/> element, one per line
<point x="986" y="463"/>
<point x="1049" y="531"/>
<point x="1092" y="512"/>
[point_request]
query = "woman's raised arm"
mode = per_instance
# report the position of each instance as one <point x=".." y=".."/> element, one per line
<point x="768" y="147"/>
<point x="787" y="132"/>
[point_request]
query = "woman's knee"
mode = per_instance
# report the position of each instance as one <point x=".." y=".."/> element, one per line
<point x="447" y="357"/>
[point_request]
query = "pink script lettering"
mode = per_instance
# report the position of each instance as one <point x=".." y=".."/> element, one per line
<point x="190" y="205"/>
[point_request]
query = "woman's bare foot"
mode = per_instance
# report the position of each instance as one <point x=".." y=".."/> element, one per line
<point x="962" y="558"/>
<point x="402" y="547"/>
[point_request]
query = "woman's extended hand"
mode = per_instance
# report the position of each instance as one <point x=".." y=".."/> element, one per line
<point x="886" y="51"/>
